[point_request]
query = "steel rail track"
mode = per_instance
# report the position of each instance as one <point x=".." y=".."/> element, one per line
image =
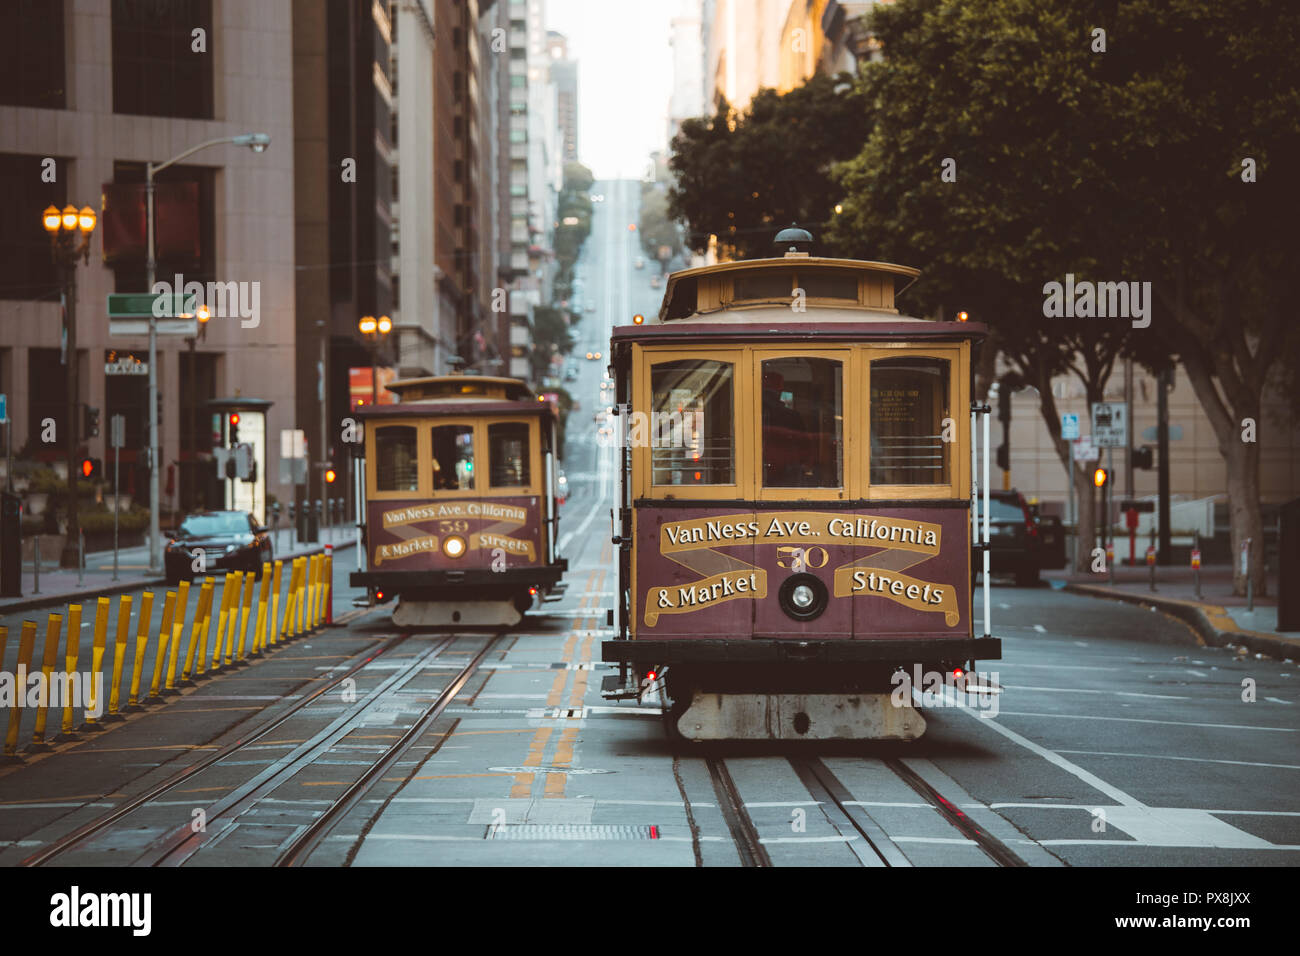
<point x="174" y="848"/>
<point x="86" y="831"/>
<point x="994" y="848"/>
<point x="743" y="832"/>
<point x="835" y="799"/>
<point x="297" y="852"/>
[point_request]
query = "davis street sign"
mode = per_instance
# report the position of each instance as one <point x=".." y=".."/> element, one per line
<point x="1110" y="424"/>
<point x="129" y="314"/>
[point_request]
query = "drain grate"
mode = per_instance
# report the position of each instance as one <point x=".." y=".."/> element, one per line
<point x="571" y="831"/>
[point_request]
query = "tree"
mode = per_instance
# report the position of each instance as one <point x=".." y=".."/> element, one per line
<point x="658" y="228"/>
<point x="1007" y="150"/>
<point x="744" y="176"/>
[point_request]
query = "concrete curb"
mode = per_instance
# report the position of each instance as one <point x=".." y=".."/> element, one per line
<point x="120" y="587"/>
<point x="1211" y="621"/>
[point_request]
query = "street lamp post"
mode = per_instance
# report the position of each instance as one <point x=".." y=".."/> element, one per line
<point x="70" y="232"/>
<point x="202" y="315"/>
<point x="374" y="330"/>
<point x="257" y="142"/>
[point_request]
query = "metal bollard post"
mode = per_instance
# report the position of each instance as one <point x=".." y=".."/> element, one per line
<point x="81" y="556"/>
<point x="1196" y="562"/>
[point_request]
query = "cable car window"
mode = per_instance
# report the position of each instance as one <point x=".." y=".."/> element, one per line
<point x="453" y="458"/>
<point x="803" y="423"/>
<point x="508" y="454"/>
<point x="396" y="464"/>
<point x="691" y="425"/>
<point x="763" y="284"/>
<point x="909" y="402"/>
<point x="829" y="284"/>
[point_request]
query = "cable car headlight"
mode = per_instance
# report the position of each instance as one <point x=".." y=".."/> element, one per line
<point x="454" y="546"/>
<point x="803" y="597"/>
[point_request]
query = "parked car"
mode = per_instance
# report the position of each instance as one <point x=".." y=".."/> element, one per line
<point x="1053" y="534"/>
<point x="229" y="540"/>
<point x="1015" y="542"/>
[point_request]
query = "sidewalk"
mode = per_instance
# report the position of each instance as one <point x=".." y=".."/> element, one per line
<point x="63" y="585"/>
<point x="1218" y="616"/>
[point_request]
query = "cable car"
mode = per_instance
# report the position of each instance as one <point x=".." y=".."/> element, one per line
<point x="461" y="515"/>
<point x="796" y="518"/>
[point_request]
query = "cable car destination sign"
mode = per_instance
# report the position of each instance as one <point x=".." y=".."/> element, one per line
<point x="805" y="541"/>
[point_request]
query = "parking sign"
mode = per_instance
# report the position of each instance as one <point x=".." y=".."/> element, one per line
<point x="1069" y="427"/>
<point x="1110" y="424"/>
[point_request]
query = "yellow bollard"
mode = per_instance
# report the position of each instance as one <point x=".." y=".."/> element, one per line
<point x="249" y="581"/>
<point x="94" y="700"/>
<point x="259" y="624"/>
<point x="178" y="629"/>
<point x="319" y="603"/>
<point x="232" y="617"/>
<point x="329" y="589"/>
<point x="198" y="633"/>
<point x="119" y="655"/>
<point x="290" y="595"/>
<point x="222" y="611"/>
<point x="273" y="630"/>
<point x="71" y="656"/>
<point x="300" y="600"/>
<point x="164" y="645"/>
<point x="310" y="615"/>
<point x="52" y="629"/>
<point x="141" y="645"/>
<point x="25" y="643"/>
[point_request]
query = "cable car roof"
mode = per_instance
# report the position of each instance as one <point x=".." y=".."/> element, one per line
<point x="709" y="290"/>
<point x="466" y="387"/>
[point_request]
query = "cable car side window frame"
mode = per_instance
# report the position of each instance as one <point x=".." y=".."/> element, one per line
<point x="535" y="457"/>
<point x="844" y="355"/>
<point x="957" y="451"/>
<point x="373" y="430"/>
<point x="645" y="358"/>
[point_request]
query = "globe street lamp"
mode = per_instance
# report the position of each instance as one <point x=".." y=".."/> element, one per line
<point x="257" y="142"/>
<point x="69" y="232"/>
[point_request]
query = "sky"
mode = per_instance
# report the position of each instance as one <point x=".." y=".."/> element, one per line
<point x="625" y="77"/>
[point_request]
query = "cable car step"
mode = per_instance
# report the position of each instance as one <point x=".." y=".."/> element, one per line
<point x="613" y="688"/>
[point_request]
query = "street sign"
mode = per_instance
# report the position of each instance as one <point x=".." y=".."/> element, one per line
<point x="129" y="314"/>
<point x="117" y="431"/>
<point x="4" y="409"/>
<point x="1070" y="427"/>
<point x="127" y="365"/>
<point x="293" y="471"/>
<point x="1110" y="424"/>
<point x="1085" y="450"/>
<point x="1153" y="433"/>
<point x="186" y="327"/>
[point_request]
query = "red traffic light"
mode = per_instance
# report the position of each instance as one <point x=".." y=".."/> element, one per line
<point x="234" y="418"/>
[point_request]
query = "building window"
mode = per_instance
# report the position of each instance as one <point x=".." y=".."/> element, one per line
<point x="27" y="270"/>
<point x="184" y="225"/>
<point x="32" y="67"/>
<point x="156" y="71"/>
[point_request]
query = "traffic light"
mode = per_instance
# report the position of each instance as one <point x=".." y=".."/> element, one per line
<point x="234" y="429"/>
<point x="90" y="468"/>
<point x="1004" y="403"/>
<point x="1004" y="457"/>
<point x="330" y="476"/>
<point x="1143" y="457"/>
<point x="1100" y="477"/>
<point x="90" y="422"/>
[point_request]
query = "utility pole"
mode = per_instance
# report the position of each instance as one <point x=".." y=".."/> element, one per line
<point x="71" y="558"/>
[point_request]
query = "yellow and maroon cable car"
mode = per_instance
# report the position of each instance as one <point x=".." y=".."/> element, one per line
<point x="461" y="517"/>
<point x="796" y="521"/>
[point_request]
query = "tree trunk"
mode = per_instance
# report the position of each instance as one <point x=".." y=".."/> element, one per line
<point x="1244" y="516"/>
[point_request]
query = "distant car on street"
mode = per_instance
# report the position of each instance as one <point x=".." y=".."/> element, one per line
<point x="229" y="540"/>
<point x="638" y="263"/>
<point x="655" y="281"/>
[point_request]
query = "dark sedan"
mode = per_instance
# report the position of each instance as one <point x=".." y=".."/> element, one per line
<point x="228" y="541"/>
<point x="1015" y="541"/>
